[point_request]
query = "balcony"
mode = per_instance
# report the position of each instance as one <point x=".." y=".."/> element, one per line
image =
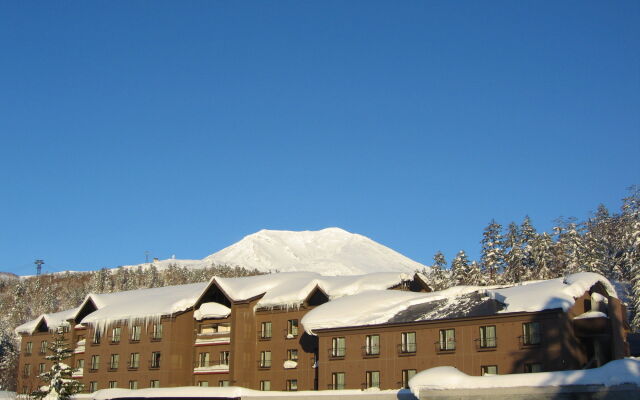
<point x="203" y="339"/>
<point x="445" y="347"/>
<point x="208" y="368"/>
<point x="407" y="349"/>
<point x="290" y="364"/>
<point x="77" y="373"/>
<point x="337" y="353"/>
<point x="486" y="344"/>
<point x="370" y="351"/>
<point x="592" y="324"/>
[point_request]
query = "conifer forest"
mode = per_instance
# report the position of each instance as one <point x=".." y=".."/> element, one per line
<point x="608" y="242"/>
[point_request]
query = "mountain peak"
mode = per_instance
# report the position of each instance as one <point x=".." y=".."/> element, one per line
<point x="329" y="251"/>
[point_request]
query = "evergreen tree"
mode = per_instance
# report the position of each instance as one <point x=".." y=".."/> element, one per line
<point x="9" y="355"/>
<point x="542" y="252"/>
<point x="58" y="381"/>
<point x="514" y="256"/>
<point x="438" y="278"/>
<point x="527" y="234"/>
<point x="474" y="275"/>
<point x="492" y="252"/>
<point x="460" y="269"/>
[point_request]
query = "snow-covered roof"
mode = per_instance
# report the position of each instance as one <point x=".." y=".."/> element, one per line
<point x="611" y="374"/>
<point x="377" y="307"/>
<point x="292" y="288"/>
<point x="142" y="304"/>
<point x="53" y="320"/>
<point x="211" y="310"/>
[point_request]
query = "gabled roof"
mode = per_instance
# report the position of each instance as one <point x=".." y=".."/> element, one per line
<point x="52" y="321"/>
<point x="379" y="306"/>
<point x="290" y="289"/>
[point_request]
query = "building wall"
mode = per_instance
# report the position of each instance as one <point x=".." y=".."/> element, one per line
<point x="214" y="378"/>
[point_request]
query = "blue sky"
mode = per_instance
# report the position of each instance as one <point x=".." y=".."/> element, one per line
<point x="180" y="127"/>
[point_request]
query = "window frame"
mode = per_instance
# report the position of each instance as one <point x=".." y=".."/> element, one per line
<point x="488" y="342"/>
<point x="447" y="340"/>
<point x="372" y="345"/>
<point x="371" y="378"/>
<point x="338" y="351"/>
<point x="335" y="380"/>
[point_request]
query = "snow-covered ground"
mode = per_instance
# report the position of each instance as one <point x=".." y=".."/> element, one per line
<point x="613" y="373"/>
<point x="5" y="395"/>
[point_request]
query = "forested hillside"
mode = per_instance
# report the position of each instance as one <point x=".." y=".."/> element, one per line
<point x="607" y="243"/>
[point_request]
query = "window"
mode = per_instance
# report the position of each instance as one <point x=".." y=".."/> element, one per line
<point x="531" y="333"/>
<point x="29" y="348"/>
<point x="407" y="374"/>
<point x="27" y="370"/>
<point x="156" y="333"/>
<point x="224" y="357"/>
<point x="337" y="380"/>
<point x="93" y="386"/>
<point x="447" y="339"/>
<point x="487" y="337"/>
<point x="115" y="334"/>
<point x="203" y="360"/>
<point x="155" y="359"/>
<point x="265" y="386"/>
<point x="203" y="383"/>
<point x="113" y="384"/>
<point x="533" y="367"/>
<point x="337" y="347"/>
<point x="43" y="347"/>
<point x="133" y="385"/>
<point x="292" y="328"/>
<point x="114" y="362"/>
<point x="265" y="330"/>
<point x="223" y="383"/>
<point x="154" y="383"/>
<point x="80" y="364"/>
<point x="373" y="379"/>
<point x="41" y="368"/>
<point x="135" y="333"/>
<point x="95" y="362"/>
<point x="134" y="360"/>
<point x="210" y="329"/>
<point x="489" y="370"/>
<point x="292" y="354"/>
<point x="408" y="342"/>
<point x="265" y="359"/>
<point x="292" y="385"/>
<point x="372" y="345"/>
<point x="96" y="337"/>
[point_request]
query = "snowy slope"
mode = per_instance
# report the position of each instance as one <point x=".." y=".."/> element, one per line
<point x="331" y="251"/>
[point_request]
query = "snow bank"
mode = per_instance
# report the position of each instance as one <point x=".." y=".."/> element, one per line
<point x="290" y="289"/>
<point x="143" y="305"/>
<point x="211" y="310"/>
<point x="614" y="373"/>
<point x="379" y="306"/>
<point x="220" y="392"/>
<point x="5" y="395"/>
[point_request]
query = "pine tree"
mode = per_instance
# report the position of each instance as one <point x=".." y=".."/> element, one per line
<point x="474" y="275"/>
<point x="514" y="256"/>
<point x="527" y="234"/>
<point x="8" y="357"/>
<point x="438" y="278"/>
<point x="460" y="269"/>
<point x="492" y="252"/>
<point x="542" y="252"/>
<point x="58" y="381"/>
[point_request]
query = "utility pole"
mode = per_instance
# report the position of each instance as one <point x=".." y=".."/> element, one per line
<point x="146" y="256"/>
<point x="38" y="264"/>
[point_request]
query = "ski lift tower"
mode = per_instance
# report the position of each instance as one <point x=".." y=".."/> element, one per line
<point x="38" y="264"/>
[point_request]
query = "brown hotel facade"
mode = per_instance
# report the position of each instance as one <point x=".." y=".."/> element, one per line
<point x="254" y="338"/>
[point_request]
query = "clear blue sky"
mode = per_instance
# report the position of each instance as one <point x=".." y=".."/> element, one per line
<point x="180" y="127"/>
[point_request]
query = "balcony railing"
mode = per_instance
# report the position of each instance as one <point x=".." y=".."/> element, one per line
<point x="77" y="373"/>
<point x="530" y="340"/>
<point x="133" y="367"/>
<point x="264" y="335"/>
<point x="370" y="351"/>
<point x="154" y="364"/>
<point x="407" y="349"/>
<point x="445" y="347"/>
<point x="210" y="368"/>
<point x="337" y="353"/>
<point x="486" y="344"/>
<point x="213" y="338"/>
<point x="264" y="364"/>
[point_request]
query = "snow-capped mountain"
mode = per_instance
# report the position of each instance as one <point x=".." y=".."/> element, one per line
<point x="330" y="251"/>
